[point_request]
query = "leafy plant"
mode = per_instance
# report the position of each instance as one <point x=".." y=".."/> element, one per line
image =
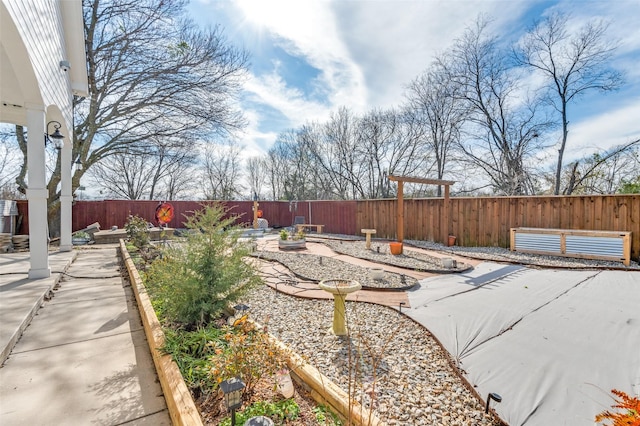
<point x="137" y="231"/>
<point x="631" y="410"/>
<point x="324" y="416"/>
<point x="279" y="412"/>
<point x="299" y="235"/>
<point x="191" y="351"/>
<point x="196" y="280"/>
<point x="246" y="352"/>
<point x="82" y="234"/>
<point x="284" y="235"/>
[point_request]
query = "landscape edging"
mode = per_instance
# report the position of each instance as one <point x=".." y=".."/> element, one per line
<point x="324" y="390"/>
<point x="182" y="408"/>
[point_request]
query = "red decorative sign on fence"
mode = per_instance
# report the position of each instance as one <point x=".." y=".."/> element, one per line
<point x="164" y="213"/>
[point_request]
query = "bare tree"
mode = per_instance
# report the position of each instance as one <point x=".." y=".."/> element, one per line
<point x="8" y="169"/>
<point x="222" y="171"/>
<point x="604" y="172"/>
<point x="125" y="176"/>
<point x="275" y="167"/>
<point x="389" y="142"/>
<point x="153" y="75"/>
<point x="173" y="161"/>
<point x="332" y="149"/>
<point x="153" y="175"/>
<point x="256" y="169"/>
<point x="573" y="62"/>
<point x="503" y="127"/>
<point x="179" y="183"/>
<point x="289" y="167"/>
<point x="432" y="97"/>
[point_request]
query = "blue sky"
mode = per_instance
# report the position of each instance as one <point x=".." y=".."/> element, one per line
<point x="310" y="57"/>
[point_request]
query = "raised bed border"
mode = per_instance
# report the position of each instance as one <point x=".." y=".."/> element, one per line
<point x="182" y="408"/>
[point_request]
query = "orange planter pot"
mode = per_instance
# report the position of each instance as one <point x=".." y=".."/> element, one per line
<point x="396" y="248"/>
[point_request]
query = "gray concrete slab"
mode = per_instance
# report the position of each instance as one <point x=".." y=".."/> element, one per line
<point x="20" y="297"/>
<point x="84" y="358"/>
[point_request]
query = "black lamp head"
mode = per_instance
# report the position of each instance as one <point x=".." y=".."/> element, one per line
<point x="56" y="135"/>
<point x="495" y="397"/>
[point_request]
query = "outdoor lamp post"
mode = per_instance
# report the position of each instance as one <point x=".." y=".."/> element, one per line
<point x="232" y="390"/>
<point x="56" y="135"/>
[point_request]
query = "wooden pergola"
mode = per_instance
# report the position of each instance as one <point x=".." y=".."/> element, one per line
<point x="444" y="219"/>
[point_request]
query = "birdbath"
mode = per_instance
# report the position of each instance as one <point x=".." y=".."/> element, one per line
<point x="339" y="289"/>
<point x="368" y="233"/>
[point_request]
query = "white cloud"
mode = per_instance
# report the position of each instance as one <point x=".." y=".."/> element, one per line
<point x="273" y="91"/>
<point x="254" y="142"/>
<point x="395" y="41"/>
<point x="366" y="52"/>
<point x="307" y="29"/>
<point x="611" y="128"/>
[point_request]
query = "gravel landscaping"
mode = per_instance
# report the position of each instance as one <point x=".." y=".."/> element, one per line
<point x="316" y="268"/>
<point x="401" y="370"/>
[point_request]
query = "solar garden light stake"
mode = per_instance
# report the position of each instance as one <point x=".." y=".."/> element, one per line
<point x="495" y="397"/>
<point x="400" y="306"/>
<point x="242" y="308"/>
<point x="232" y="390"/>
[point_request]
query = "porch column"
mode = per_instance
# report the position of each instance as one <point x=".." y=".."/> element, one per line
<point x="37" y="193"/>
<point x="65" y="192"/>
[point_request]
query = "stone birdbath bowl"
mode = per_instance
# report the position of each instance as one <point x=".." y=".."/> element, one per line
<point x="339" y="289"/>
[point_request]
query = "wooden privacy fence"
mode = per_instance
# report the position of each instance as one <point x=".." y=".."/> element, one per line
<point x="337" y="216"/>
<point x="486" y="221"/>
<point x="475" y="221"/>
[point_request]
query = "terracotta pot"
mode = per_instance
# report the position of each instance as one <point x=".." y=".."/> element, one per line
<point x="452" y="241"/>
<point x="396" y="248"/>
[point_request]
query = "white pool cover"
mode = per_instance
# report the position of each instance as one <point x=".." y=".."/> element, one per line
<point x="552" y="343"/>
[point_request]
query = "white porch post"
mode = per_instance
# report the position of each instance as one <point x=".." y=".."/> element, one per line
<point x="37" y="193"/>
<point x="65" y="193"/>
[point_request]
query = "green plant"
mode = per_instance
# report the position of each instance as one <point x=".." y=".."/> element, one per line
<point x="137" y="231"/>
<point x="279" y="412"/>
<point x="299" y="235"/>
<point x="196" y="280"/>
<point x="325" y="416"/>
<point x="81" y="234"/>
<point x="284" y="235"/>
<point x="246" y="352"/>
<point x="191" y="350"/>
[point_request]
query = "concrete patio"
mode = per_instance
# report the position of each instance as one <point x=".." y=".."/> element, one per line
<point x="83" y="358"/>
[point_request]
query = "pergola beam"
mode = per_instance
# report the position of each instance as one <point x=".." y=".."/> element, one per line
<point x="411" y="179"/>
<point x="444" y="218"/>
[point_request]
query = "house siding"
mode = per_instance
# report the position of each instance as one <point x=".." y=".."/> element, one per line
<point x="40" y="25"/>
